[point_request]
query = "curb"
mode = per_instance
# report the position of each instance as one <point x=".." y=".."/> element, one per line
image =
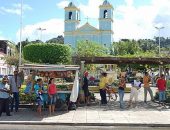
<point x="84" y="124"/>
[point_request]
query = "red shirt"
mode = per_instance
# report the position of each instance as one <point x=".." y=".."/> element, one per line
<point x="161" y="83"/>
<point x="52" y="89"/>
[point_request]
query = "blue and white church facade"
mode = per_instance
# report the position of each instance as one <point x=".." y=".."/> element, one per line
<point x="102" y="35"/>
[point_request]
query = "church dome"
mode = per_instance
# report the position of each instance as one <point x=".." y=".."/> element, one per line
<point x="106" y="2"/>
<point x="71" y="4"/>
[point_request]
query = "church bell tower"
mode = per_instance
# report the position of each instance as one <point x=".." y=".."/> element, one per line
<point x="72" y="19"/>
<point x="106" y="23"/>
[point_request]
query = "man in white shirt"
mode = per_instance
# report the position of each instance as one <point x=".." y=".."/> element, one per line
<point x="136" y="85"/>
<point x="4" y="97"/>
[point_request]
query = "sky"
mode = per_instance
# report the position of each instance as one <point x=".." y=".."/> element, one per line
<point x="133" y="19"/>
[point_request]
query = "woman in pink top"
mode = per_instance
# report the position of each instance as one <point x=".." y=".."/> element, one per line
<point x="52" y="90"/>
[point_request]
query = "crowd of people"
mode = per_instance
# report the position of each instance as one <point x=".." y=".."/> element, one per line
<point x="9" y="91"/>
<point x="10" y="87"/>
<point x="145" y="81"/>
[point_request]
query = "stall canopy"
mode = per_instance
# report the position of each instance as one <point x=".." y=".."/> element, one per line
<point x="41" y="67"/>
<point x="123" y="60"/>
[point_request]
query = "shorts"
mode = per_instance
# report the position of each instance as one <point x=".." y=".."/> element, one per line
<point x="39" y="102"/>
<point x="52" y="99"/>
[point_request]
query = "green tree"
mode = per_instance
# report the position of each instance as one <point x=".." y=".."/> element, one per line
<point x="58" y="40"/>
<point x="90" y="49"/>
<point x="126" y="47"/>
<point x="147" y="45"/>
<point x="23" y="43"/>
<point x="47" y="53"/>
<point x="12" y="58"/>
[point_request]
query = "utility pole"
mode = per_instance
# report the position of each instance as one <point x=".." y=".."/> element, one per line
<point x="159" y="29"/>
<point x="41" y="30"/>
<point x="20" y="46"/>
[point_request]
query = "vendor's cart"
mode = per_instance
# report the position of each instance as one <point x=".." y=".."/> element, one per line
<point x="66" y="78"/>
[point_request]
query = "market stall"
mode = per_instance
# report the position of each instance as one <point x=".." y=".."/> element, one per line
<point x="66" y="78"/>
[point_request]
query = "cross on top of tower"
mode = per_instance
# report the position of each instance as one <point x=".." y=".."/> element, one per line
<point x="87" y="18"/>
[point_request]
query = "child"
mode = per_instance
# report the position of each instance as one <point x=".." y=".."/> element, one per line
<point x="39" y="90"/>
<point x="28" y="85"/>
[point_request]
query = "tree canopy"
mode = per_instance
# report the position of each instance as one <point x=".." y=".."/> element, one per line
<point x="58" y="40"/>
<point x="143" y="48"/>
<point x="47" y="53"/>
<point x="89" y="48"/>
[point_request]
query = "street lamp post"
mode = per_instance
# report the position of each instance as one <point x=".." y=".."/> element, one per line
<point x="159" y="29"/>
<point x="20" y="46"/>
<point x="41" y="29"/>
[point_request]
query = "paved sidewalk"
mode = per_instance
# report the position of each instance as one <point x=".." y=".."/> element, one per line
<point x="143" y="114"/>
<point x="149" y="114"/>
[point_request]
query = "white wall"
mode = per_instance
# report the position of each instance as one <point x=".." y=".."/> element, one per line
<point x="4" y="68"/>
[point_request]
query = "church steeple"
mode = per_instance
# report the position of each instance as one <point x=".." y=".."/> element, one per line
<point x="105" y="16"/>
<point x="73" y="33"/>
<point x="106" y="23"/>
<point x="71" y="17"/>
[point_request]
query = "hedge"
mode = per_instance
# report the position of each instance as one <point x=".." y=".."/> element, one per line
<point x="47" y="53"/>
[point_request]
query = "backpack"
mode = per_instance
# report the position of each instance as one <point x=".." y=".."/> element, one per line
<point x="72" y="106"/>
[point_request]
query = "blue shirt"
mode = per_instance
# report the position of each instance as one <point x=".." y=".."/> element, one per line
<point x="3" y="94"/>
<point x="39" y="94"/>
<point x="28" y="88"/>
<point x="37" y="88"/>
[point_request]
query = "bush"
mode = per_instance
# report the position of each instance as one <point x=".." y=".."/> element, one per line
<point x="47" y="53"/>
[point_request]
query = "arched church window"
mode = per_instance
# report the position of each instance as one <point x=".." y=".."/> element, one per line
<point x="77" y="16"/>
<point x="70" y="15"/>
<point x="105" y="14"/>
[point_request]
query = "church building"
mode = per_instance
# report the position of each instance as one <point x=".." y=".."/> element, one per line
<point x="102" y="35"/>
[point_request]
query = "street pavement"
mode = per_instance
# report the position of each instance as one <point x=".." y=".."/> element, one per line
<point x="143" y="115"/>
<point x="61" y="127"/>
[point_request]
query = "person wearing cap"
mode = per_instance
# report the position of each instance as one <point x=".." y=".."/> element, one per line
<point x="15" y="84"/>
<point x="4" y="97"/>
<point x="102" y="86"/>
<point x="85" y="87"/>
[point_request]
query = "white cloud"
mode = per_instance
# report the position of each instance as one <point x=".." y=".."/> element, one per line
<point x="10" y="10"/>
<point x="63" y="4"/>
<point x="132" y="21"/>
<point x="2" y="37"/>
<point x="129" y="2"/>
<point x="138" y="22"/>
<point x="24" y="6"/>
<point x="15" y="9"/>
<point x="53" y="28"/>
<point x="91" y="9"/>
